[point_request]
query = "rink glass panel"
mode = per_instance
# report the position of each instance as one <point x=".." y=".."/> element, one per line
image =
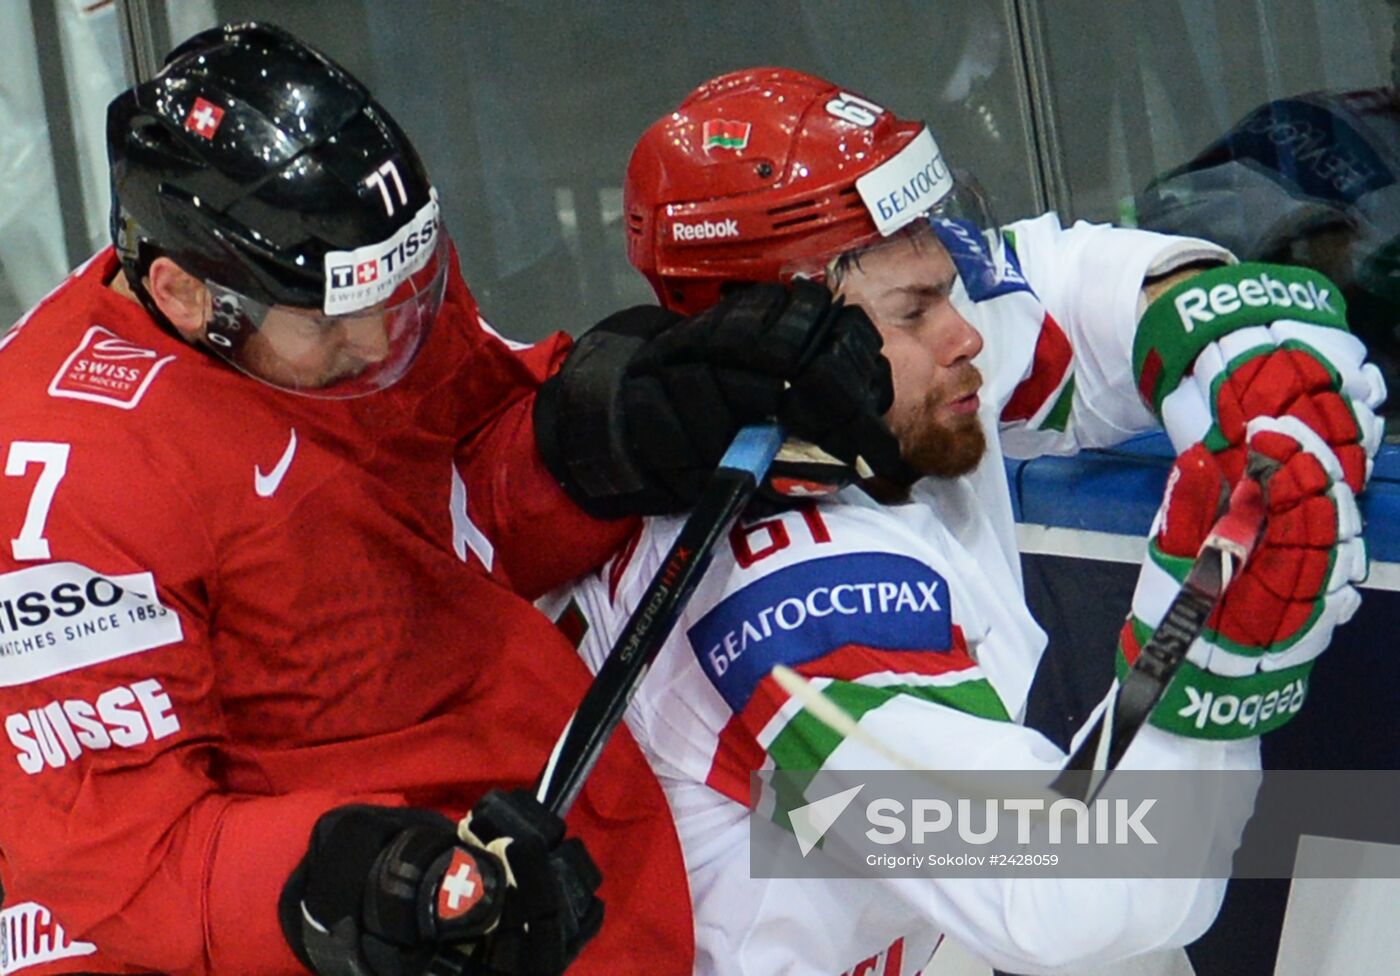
<point x="526" y="111"/>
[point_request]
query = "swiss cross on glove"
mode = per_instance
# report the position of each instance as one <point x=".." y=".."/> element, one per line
<point x="462" y="888"/>
<point x="402" y="892"/>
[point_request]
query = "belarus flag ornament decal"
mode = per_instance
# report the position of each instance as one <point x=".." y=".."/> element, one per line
<point x="725" y="134"/>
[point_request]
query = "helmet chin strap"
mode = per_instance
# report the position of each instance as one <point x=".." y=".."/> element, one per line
<point x="230" y="325"/>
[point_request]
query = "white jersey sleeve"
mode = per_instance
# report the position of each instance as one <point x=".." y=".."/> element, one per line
<point x="1058" y="350"/>
<point x="925" y="639"/>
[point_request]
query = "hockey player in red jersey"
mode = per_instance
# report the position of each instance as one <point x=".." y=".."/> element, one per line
<point x="272" y="495"/>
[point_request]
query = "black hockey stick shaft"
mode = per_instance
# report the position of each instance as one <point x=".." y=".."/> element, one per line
<point x="740" y="472"/>
<point x="1223" y="554"/>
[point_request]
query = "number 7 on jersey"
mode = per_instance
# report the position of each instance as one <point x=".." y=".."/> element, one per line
<point x="52" y="457"/>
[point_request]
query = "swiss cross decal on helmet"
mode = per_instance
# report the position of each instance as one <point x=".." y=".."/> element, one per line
<point x="267" y="171"/>
<point x="204" y="118"/>
<point x="766" y="174"/>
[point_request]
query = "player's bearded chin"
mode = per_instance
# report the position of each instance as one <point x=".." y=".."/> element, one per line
<point x="934" y="447"/>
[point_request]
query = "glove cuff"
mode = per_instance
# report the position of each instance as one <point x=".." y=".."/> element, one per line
<point x="1198" y="311"/>
<point x="579" y="424"/>
<point x="1201" y="705"/>
<point x="289" y="914"/>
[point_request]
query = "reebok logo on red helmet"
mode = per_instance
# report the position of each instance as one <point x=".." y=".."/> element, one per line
<point x="706" y="230"/>
<point x="726" y="134"/>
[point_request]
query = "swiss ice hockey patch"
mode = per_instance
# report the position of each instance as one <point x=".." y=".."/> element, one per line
<point x="804" y="612"/>
<point x="106" y="368"/>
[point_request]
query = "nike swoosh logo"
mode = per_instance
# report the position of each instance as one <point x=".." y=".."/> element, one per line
<point x="266" y="484"/>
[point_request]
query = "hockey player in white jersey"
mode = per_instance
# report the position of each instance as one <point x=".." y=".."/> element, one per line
<point x="908" y="612"/>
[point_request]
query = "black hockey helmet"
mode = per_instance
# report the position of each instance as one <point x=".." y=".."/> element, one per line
<point x="266" y="170"/>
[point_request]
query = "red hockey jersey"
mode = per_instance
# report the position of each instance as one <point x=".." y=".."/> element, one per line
<point x="225" y="609"/>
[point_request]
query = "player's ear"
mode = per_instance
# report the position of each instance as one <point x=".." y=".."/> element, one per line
<point x="182" y="297"/>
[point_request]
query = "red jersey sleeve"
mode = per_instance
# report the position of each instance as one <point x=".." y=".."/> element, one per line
<point x="539" y="539"/>
<point x="108" y="810"/>
<point x="543" y="539"/>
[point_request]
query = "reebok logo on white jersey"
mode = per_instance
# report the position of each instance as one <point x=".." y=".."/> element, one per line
<point x="1199" y="305"/>
<point x="705" y="230"/>
<point x="266" y="484"/>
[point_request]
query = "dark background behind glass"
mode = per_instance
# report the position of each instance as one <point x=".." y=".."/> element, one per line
<point x="526" y="110"/>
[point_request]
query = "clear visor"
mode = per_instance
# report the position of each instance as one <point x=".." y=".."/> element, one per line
<point x="305" y="351"/>
<point x="960" y="222"/>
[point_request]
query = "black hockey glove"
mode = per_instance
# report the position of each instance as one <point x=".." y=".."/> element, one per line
<point x="395" y="892"/>
<point x="647" y="401"/>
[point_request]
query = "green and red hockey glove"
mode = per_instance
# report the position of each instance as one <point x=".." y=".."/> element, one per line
<point x="1248" y="671"/>
<point x="1259" y="340"/>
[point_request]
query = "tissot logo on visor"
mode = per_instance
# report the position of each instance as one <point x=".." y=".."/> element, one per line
<point x="907" y="185"/>
<point x="359" y="279"/>
<point x="395" y="290"/>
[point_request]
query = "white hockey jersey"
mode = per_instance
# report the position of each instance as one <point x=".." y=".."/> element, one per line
<point x="913" y="618"/>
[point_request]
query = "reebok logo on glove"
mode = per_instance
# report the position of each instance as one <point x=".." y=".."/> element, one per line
<point x="1199" y="305"/>
<point x="705" y="230"/>
<point x="1248" y="713"/>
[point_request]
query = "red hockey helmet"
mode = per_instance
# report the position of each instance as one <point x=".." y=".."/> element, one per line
<point x="765" y="173"/>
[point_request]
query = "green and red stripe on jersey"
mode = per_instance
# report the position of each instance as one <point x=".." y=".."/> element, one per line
<point x="774" y="731"/>
<point x="1043" y="399"/>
